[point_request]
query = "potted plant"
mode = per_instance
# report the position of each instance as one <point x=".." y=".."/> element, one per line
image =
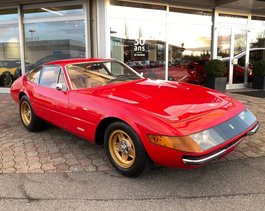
<point x="258" y="81"/>
<point x="215" y="71"/>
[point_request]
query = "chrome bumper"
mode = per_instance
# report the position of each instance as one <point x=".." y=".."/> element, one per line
<point x="209" y="158"/>
<point x="254" y="130"/>
<point x="204" y="160"/>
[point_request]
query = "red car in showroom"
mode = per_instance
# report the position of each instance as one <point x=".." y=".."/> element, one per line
<point x="139" y="121"/>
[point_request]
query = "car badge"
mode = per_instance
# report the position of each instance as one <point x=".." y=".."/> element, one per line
<point x="230" y="125"/>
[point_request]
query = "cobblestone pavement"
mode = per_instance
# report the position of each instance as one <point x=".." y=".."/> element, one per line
<point x="54" y="150"/>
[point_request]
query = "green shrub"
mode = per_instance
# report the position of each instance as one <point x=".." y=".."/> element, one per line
<point x="215" y="68"/>
<point x="259" y="67"/>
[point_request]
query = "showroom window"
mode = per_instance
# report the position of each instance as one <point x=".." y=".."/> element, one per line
<point x="138" y="37"/>
<point x="257" y="39"/>
<point x="9" y="47"/>
<point x="189" y="39"/>
<point x="53" y="33"/>
<point x="141" y="34"/>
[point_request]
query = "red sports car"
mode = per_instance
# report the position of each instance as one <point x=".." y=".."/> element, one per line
<point x="139" y="121"/>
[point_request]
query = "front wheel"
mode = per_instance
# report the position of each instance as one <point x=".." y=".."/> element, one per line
<point x="125" y="150"/>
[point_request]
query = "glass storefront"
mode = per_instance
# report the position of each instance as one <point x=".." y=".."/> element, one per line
<point x="158" y="41"/>
<point x="257" y="40"/>
<point x="138" y="37"/>
<point x="189" y="38"/>
<point x="53" y="33"/>
<point x="9" y="46"/>
<point x="140" y="33"/>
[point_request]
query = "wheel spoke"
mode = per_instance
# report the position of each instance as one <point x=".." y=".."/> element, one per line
<point x="121" y="136"/>
<point x="124" y="157"/>
<point x="116" y="147"/>
<point x="131" y="153"/>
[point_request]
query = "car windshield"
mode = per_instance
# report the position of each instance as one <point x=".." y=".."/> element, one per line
<point x="88" y="75"/>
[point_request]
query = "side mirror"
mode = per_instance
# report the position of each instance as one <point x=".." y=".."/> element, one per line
<point x="59" y="87"/>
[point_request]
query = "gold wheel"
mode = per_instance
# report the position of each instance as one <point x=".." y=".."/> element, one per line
<point x="122" y="149"/>
<point x="26" y="113"/>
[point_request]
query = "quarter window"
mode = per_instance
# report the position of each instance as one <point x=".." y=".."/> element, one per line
<point x="49" y="76"/>
<point x="34" y="75"/>
<point x="62" y="80"/>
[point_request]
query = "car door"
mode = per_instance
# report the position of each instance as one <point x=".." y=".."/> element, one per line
<point x="52" y="103"/>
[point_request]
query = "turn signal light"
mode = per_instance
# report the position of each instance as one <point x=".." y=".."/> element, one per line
<point x="184" y="143"/>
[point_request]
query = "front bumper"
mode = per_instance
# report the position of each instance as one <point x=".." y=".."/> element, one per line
<point x="202" y="160"/>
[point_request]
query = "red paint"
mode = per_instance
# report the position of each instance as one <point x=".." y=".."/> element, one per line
<point x="149" y="107"/>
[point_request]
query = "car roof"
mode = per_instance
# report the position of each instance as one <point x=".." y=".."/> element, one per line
<point x="77" y="60"/>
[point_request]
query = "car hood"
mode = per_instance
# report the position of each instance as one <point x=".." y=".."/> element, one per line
<point x="168" y="100"/>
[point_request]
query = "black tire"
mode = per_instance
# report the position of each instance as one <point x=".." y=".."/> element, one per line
<point x="17" y="73"/>
<point x="141" y="161"/>
<point x="34" y="123"/>
<point x="6" y="79"/>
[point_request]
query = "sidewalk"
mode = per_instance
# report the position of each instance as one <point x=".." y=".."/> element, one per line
<point x="54" y="150"/>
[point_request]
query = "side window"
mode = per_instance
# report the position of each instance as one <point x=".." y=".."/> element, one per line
<point x="62" y="81"/>
<point x="49" y="76"/>
<point x="33" y="76"/>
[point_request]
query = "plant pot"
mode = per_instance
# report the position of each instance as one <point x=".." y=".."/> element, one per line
<point x="218" y="84"/>
<point x="258" y="82"/>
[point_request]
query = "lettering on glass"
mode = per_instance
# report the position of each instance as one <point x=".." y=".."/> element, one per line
<point x="139" y="47"/>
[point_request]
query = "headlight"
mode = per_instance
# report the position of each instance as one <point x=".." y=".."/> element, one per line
<point x="209" y="138"/>
<point x="184" y="143"/>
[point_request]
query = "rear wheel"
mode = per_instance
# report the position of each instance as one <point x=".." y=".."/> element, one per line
<point x="29" y="119"/>
<point x="125" y="150"/>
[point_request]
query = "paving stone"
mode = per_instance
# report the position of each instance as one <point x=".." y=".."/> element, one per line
<point x="76" y="168"/>
<point x="54" y="150"/>
<point x="62" y="167"/>
<point x="90" y="168"/>
<point x="57" y="161"/>
<point x="98" y="162"/>
<point x="72" y="161"/>
<point x="104" y="167"/>
<point x="9" y="170"/>
<point x="47" y="166"/>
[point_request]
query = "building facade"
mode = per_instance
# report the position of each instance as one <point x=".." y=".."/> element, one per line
<point x="170" y="40"/>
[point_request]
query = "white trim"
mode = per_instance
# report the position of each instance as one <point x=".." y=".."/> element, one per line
<point x="21" y="42"/>
<point x="231" y="66"/>
<point x="107" y="34"/>
<point x="214" y="35"/>
<point x="4" y="90"/>
<point x="86" y="7"/>
<point x="238" y="86"/>
<point x="167" y="45"/>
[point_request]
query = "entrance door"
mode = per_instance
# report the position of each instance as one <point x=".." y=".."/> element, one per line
<point x="232" y="49"/>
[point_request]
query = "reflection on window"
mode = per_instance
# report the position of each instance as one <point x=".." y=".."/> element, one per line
<point x="89" y="75"/>
<point x="189" y="36"/>
<point x="62" y="80"/>
<point x="58" y="11"/>
<point x="33" y="76"/>
<point x="50" y="38"/>
<point x="49" y="76"/>
<point x="138" y="37"/>
<point x="9" y="47"/>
